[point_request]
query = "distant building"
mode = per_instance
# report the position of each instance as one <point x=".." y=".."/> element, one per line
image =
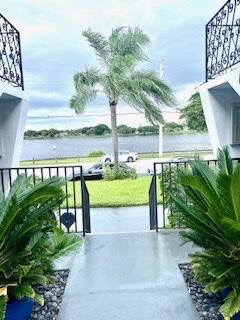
<point x="220" y="94"/>
<point x="13" y="99"/>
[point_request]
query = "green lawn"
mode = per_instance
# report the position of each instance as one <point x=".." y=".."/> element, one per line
<point x="62" y="161"/>
<point x="118" y="193"/>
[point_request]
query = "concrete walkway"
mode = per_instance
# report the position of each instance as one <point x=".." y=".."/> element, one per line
<point x="128" y="276"/>
<point x="120" y="219"/>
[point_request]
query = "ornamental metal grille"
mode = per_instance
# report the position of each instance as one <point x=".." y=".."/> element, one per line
<point x="222" y="40"/>
<point x="10" y="54"/>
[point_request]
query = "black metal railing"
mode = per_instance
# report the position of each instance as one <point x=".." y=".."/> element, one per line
<point x="222" y="40"/>
<point x="85" y="207"/>
<point x="153" y="217"/>
<point x="74" y="214"/>
<point x="10" y="54"/>
<point x="165" y="174"/>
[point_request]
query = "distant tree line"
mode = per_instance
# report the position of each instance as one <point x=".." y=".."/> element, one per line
<point x="101" y="130"/>
<point x="192" y="117"/>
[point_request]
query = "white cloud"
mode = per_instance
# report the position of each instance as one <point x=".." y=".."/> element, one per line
<point x="53" y="47"/>
<point x="49" y="95"/>
<point x="184" y="92"/>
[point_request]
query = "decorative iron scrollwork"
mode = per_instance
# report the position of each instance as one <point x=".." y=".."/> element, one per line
<point x="222" y="40"/>
<point x="10" y="54"/>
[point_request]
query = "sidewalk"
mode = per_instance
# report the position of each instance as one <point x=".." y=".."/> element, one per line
<point x="128" y="276"/>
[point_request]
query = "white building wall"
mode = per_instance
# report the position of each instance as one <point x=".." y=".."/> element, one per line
<point x="12" y="123"/>
<point x="13" y="113"/>
<point x="218" y="97"/>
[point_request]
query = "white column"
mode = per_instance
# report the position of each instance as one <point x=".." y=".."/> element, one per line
<point x="160" y="140"/>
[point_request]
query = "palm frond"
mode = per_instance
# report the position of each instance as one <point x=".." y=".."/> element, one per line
<point x="225" y="163"/>
<point x="231" y="304"/>
<point x="235" y="194"/>
<point x="61" y="244"/>
<point x="99" y="43"/>
<point x="149" y="83"/>
<point x="85" y="83"/>
<point x="127" y="41"/>
<point x="146" y="93"/>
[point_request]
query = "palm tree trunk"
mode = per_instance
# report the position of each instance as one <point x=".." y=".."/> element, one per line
<point x="114" y="131"/>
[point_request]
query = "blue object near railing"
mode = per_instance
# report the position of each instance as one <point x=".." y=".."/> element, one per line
<point x="19" y="309"/>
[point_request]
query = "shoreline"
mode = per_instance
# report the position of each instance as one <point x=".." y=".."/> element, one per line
<point x="120" y="135"/>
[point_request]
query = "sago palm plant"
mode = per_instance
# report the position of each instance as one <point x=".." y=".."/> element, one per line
<point x="118" y="79"/>
<point x="212" y="218"/>
<point x="30" y="240"/>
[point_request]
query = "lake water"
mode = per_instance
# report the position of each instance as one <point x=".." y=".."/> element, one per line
<point x="82" y="146"/>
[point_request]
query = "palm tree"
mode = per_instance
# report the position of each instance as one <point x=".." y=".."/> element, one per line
<point x="118" y="78"/>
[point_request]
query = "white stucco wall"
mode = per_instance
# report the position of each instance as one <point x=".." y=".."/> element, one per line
<point x="218" y="97"/>
<point x="13" y="113"/>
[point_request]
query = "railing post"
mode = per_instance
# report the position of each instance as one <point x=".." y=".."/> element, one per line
<point x="155" y="196"/>
<point x="82" y="197"/>
<point x="206" y="53"/>
<point x="86" y="222"/>
<point x="153" y="209"/>
<point x="163" y="194"/>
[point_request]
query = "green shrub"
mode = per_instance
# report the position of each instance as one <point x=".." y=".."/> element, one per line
<point x="97" y="153"/>
<point x="170" y="187"/>
<point x="118" y="173"/>
<point x="212" y="218"/>
<point x="30" y="239"/>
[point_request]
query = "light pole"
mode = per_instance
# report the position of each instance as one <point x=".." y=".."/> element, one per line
<point x="160" y="151"/>
<point x="55" y="153"/>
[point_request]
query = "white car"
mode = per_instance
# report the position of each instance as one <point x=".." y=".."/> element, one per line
<point x="123" y="156"/>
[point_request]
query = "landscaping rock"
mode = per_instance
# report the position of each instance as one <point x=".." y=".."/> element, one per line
<point x="53" y="295"/>
<point x="206" y="304"/>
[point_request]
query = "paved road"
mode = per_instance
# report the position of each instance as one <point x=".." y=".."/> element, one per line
<point x="142" y="166"/>
<point x="128" y="276"/>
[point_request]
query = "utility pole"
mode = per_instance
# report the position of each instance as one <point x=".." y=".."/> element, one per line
<point x="161" y="75"/>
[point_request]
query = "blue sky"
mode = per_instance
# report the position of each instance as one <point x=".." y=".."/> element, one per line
<point x="54" y="49"/>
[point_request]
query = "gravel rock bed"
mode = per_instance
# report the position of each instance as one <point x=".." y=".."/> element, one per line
<point x="53" y="295"/>
<point x="206" y="304"/>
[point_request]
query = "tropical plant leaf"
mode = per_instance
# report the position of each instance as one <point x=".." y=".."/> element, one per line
<point x="235" y="193"/>
<point x="62" y="244"/>
<point x="23" y="290"/>
<point x="39" y="299"/>
<point x="234" y="224"/>
<point x="3" y="305"/>
<point x="224" y="161"/>
<point x="231" y="304"/>
<point x="27" y="229"/>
